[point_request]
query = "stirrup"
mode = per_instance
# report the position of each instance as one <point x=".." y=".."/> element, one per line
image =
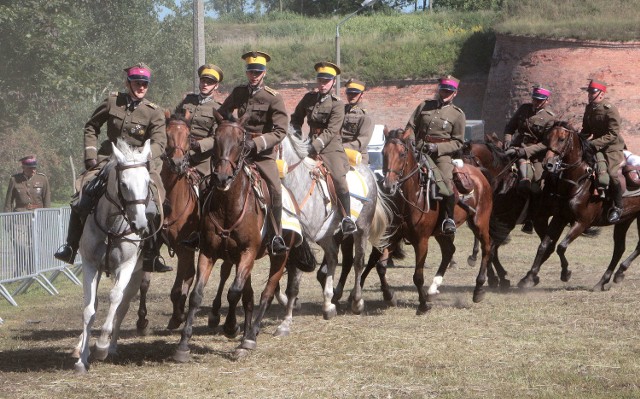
<point x="614" y="214"/>
<point x="155" y="264"/>
<point x="277" y="245"/>
<point x="348" y="227"/>
<point x="448" y="226"/>
<point x="66" y="254"/>
<point x="192" y="242"/>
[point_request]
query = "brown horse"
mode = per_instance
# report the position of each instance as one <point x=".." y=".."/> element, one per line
<point x="179" y="223"/>
<point x="231" y="230"/>
<point x="402" y="178"/>
<point x="568" y="160"/>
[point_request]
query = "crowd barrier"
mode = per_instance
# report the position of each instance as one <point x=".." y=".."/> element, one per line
<point x="28" y="241"/>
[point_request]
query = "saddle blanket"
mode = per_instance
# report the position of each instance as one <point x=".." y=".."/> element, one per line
<point x="289" y="220"/>
<point x="357" y="189"/>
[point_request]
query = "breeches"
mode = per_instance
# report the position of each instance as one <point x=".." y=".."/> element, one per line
<point x="269" y="172"/>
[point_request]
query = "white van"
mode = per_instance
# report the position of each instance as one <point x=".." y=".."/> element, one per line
<point x="375" y="149"/>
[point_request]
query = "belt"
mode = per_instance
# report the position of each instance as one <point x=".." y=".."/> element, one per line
<point x="432" y="139"/>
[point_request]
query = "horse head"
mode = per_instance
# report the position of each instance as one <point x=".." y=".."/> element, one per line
<point x="396" y="155"/>
<point x="132" y="174"/>
<point x="178" y="142"/>
<point x="563" y="148"/>
<point x="229" y="153"/>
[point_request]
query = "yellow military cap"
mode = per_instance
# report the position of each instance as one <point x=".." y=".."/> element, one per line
<point x="326" y="70"/>
<point x="210" y="71"/>
<point x="256" y="60"/>
<point x="355" y="86"/>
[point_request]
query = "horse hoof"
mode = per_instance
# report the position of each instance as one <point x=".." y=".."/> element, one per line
<point x="393" y="301"/>
<point x="471" y="261"/>
<point x="75" y="354"/>
<point x="618" y="278"/>
<point x="248" y="344"/>
<point x="505" y="284"/>
<point x="231" y="333"/>
<point x="142" y="328"/>
<point x="337" y="295"/>
<point x="182" y="356"/>
<point x="493" y="282"/>
<point x="536" y="280"/>
<point x="423" y="309"/>
<point x="240" y="353"/>
<point x="357" y="307"/>
<point x="526" y="283"/>
<point x="100" y="353"/>
<point x="565" y="276"/>
<point x="601" y="286"/>
<point x="330" y="314"/>
<point x="214" y="321"/>
<point x="80" y="368"/>
<point x="282" y="332"/>
<point x="174" y="324"/>
<point x="478" y="295"/>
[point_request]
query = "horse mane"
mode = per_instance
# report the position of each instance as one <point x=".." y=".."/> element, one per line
<point x="395" y="134"/>
<point x="177" y="117"/>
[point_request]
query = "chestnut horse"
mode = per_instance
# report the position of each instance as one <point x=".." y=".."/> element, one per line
<point x="402" y="178"/>
<point x="568" y="160"/>
<point x="231" y="230"/>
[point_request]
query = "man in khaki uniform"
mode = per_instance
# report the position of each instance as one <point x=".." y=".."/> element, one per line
<point x="357" y="127"/>
<point x="438" y="128"/>
<point x="524" y="139"/>
<point x="201" y="107"/>
<point x="601" y="124"/>
<point x="133" y="118"/>
<point x="267" y="122"/>
<point x="27" y="191"/>
<point x="325" y="114"/>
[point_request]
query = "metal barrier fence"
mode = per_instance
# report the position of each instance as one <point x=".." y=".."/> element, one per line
<point x="27" y="243"/>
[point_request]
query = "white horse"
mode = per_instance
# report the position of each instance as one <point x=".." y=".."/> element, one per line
<point x="111" y="242"/>
<point x="319" y="225"/>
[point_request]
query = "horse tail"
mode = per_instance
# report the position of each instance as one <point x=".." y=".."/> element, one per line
<point x="382" y="216"/>
<point x="302" y="257"/>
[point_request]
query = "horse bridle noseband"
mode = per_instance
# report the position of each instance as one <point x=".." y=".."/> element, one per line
<point x="236" y="167"/>
<point x="400" y="173"/>
<point x="181" y="168"/>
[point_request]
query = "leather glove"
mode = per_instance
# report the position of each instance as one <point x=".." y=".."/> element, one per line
<point x="194" y="145"/>
<point x="432" y="148"/>
<point x="90" y="163"/>
<point x="251" y="147"/>
<point x="516" y="152"/>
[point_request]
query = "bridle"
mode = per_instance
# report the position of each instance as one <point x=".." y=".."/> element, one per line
<point x="558" y="165"/>
<point x="181" y="168"/>
<point x="236" y="165"/>
<point x="404" y="154"/>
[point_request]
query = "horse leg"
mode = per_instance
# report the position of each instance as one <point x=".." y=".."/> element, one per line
<point x="480" y="228"/>
<point x="380" y="260"/>
<point x="359" y="244"/>
<point x="214" y="315"/>
<point x="91" y="279"/>
<point x="331" y="255"/>
<point x="142" y="325"/>
<point x="574" y="232"/>
<point x="448" y="249"/>
<point x="494" y="260"/>
<point x="545" y="249"/>
<point x="294" y="275"/>
<point x="129" y="292"/>
<point x="471" y="260"/>
<point x="205" y="264"/>
<point x="181" y="286"/>
<point x="619" y="276"/>
<point x="619" y="236"/>
<point x="421" y="249"/>
<point x="347" y="265"/>
<point x="237" y="292"/>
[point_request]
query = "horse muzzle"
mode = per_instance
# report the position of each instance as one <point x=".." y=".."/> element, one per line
<point x="389" y="187"/>
<point x="553" y="165"/>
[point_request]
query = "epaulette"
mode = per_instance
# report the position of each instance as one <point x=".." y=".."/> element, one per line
<point x="607" y="106"/>
<point x="40" y="173"/>
<point x="114" y="94"/>
<point x="457" y="108"/>
<point x="335" y="98"/>
<point x="550" y="112"/>
<point x="191" y="94"/>
<point x="270" y="91"/>
<point x="152" y="105"/>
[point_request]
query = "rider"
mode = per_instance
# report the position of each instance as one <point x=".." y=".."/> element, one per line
<point x="601" y="124"/>
<point x="131" y="117"/>
<point x="438" y="127"/>
<point x="524" y="139"/>
<point x="267" y="123"/>
<point x="203" y="123"/>
<point x="325" y="114"/>
<point x="357" y="127"/>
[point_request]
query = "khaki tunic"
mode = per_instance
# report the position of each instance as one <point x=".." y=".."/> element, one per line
<point x="135" y="126"/>
<point x="443" y="124"/>
<point x="601" y="122"/>
<point x="325" y="114"/>
<point x="203" y="124"/>
<point x="26" y="194"/>
<point x="526" y="129"/>
<point x="267" y="122"/>
<point x="357" y="130"/>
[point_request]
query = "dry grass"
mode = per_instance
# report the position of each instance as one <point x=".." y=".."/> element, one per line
<point x="556" y="341"/>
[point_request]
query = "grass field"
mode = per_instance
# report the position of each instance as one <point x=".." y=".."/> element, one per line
<point x="558" y="340"/>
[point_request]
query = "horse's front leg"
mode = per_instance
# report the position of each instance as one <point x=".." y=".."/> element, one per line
<point x="619" y="238"/>
<point x="421" y="248"/>
<point x="181" y="285"/>
<point x="129" y="292"/>
<point x="329" y="310"/>
<point x="142" y="325"/>
<point x="90" y="281"/>
<point x="214" y="315"/>
<point x="236" y="292"/>
<point x="359" y="246"/>
<point x="545" y="249"/>
<point x="448" y="249"/>
<point x="347" y="264"/>
<point x="574" y="232"/>
<point x="294" y="275"/>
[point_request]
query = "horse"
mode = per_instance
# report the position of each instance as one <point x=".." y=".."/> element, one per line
<point x="110" y="242"/>
<point x="569" y="161"/>
<point x="402" y="178"/>
<point x="231" y="230"/>
<point x="320" y="224"/>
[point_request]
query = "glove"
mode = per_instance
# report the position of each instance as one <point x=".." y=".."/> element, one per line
<point x="432" y="148"/>
<point x="516" y="152"/>
<point x="507" y="144"/>
<point x="252" y="149"/>
<point x="90" y="163"/>
<point x="194" y="145"/>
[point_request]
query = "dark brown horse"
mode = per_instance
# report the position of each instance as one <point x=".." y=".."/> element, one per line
<point x="421" y="215"/>
<point x="231" y="230"/>
<point x="569" y="162"/>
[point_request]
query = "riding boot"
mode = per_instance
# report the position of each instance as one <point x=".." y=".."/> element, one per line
<point x="151" y="259"/>
<point x="347" y="225"/>
<point x="524" y="185"/>
<point x="616" y="210"/>
<point x="67" y="252"/>
<point x="192" y="242"/>
<point x="448" y="224"/>
<point x="277" y="245"/>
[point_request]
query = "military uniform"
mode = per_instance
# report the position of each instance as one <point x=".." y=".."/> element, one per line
<point x="357" y="130"/>
<point x="442" y="124"/>
<point x="526" y="129"/>
<point x="601" y="121"/>
<point x="203" y="124"/>
<point x="26" y="194"/>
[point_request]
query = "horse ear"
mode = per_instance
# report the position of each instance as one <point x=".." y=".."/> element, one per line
<point x="118" y="154"/>
<point x="187" y="115"/>
<point x="407" y="133"/>
<point x="146" y="150"/>
<point x="167" y="114"/>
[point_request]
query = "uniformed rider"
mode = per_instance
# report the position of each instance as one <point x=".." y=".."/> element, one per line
<point x="133" y="118"/>
<point x="267" y="123"/>
<point x="601" y="124"/>
<point x="438" y="128"/>
<point x="325" y="114"/>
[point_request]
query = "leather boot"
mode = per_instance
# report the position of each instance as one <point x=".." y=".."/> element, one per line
<point x="616" y="210"/>
<point x="524" y="184"/>
<point x="67" y="252"/>
<point x="347" y="225"/>
<point x="277" y="245"/>
<point x="151" y="259"/>
<point x="448" y="224"/>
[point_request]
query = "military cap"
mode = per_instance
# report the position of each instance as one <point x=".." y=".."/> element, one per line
<point x="448" y="82"/>
<point x="326" y="70"/>
<point x="256" y="60"/>
<point x="596" y="85"/>
<point x="139" y="71"/>
<point x="540" y="93"/>
<point x="354" y="86"/>
<point x="210" y="71"/>
<point x="29" y="161"/>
